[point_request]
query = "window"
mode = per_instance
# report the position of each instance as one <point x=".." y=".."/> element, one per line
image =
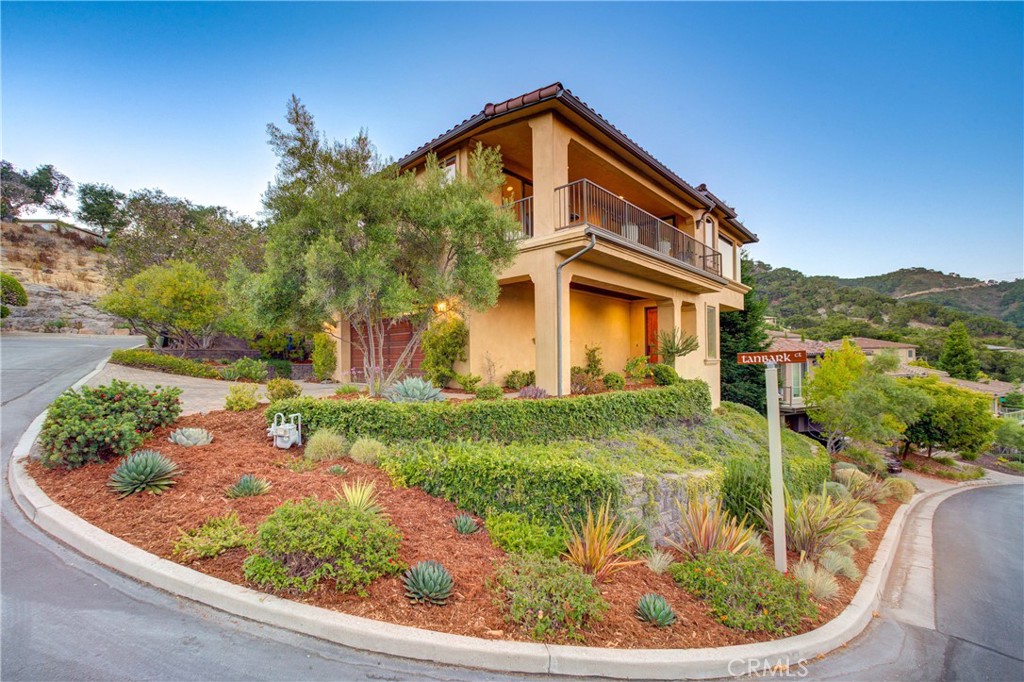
<point x="450" y="168"/>
<point x="910" y="353"/>
<point x="709" y="233"/>
<point x="798" y="371"/>
<point x="728" y="258"/>
<point x="712" y="324"/>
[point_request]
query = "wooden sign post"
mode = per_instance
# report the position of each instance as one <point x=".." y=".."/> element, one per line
<point x="771" y="383"/>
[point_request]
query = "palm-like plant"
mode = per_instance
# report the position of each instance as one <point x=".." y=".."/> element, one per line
<point x="706" y="527"/>
<point x="598" y="544"/>
<point x="361" y="496"/>
<point x="817" y="523"/>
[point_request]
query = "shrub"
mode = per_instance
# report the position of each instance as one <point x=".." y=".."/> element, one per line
<point x="443" y="344"/>
<point x="598" y="543"/>
<point x="145" y="471"/>
<point x="516" y="534"/>
<point x="304" y="542"/>
<point x="544" y="484"/>
<point x="548" y="597"/>
<point x="595" y="364"/>
<point x="248" y="485"/>
<point x="428" y="582"/>
<point x="489" y="392"/>
<point x="507" y="420"/>
<point x="348" y="389"/>
<point x="652" y="608"/>
<point x="637" y="368"/>
<point x="325" y="357"/>
<point x="613" y="381"/>
<point x="337" y="470"/>
<point x="367" y="451"/>
<point x="517" y="379"/>
<point x="146" y="359"/>
<point x="822" y="586"/>
<point x="836" y="490"/>
<point x="361" y="496"/>
<point x="465" y="524"/>
<point x="99" y="423"/>
<point x="533" y="393"/>
<point x="863" y="486"/>
<point x="282" y="368"/>
<point x="241" y="398"/>
<point x="468" y="382"/>
<point x="664" y="375"/>
<point x="414" y="390"/>
<point x="1009" y="436"/>
<point x="659" y="561"/>
<point x="190" y="437"/>
<point x="212" y="538"/>
<point x="900" y="488"/>
<point x="706" y="527"/>
<point x="747" y="482"/>
<point x="817" y="523"/>
<point x="581" y="382"/>
<point x="869" y="458"/>
<point x="11" y="293"/>
<point x="282" y="389"/>
<point x="746" y="592"/>
<point x="245" y="369"/>
<point x="838" y="563"/>
<point x="945" y="460"/>
<point x="325" y="444"/>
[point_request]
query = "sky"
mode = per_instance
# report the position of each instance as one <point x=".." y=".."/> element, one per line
<point x="854" y="139"/>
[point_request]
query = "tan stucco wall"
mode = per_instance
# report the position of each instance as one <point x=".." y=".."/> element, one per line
<point x="504" y="334"/>
<point x="601" y="321"/>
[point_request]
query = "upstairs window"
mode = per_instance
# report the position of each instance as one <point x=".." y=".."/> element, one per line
<point x="728" y="251"/>
<point x="450" y="168"/>
<point x="712" y="329"/>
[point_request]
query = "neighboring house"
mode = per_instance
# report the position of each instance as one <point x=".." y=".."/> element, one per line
<point x="652" y="252"/>
<point x="59" y="226"/>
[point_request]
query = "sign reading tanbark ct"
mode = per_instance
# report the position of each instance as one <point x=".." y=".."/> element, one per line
<point x="779" y="357"/>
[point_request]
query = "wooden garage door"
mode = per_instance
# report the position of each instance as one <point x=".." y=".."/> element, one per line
<point x="396" y="338"/>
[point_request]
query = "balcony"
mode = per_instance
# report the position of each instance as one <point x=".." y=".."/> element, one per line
<point x="522" y="210"/>
<point x="584" y="203"/>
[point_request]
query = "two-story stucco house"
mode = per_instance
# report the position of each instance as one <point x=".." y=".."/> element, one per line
<point x="614" y="246"/>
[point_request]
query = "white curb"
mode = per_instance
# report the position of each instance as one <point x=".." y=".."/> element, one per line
<point x="438" y="647"/>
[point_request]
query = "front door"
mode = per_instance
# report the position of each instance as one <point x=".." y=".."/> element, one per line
<point x="651" y="334"/>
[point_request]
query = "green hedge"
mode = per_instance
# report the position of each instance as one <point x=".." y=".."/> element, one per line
<point x="591" y="416"/>
<point x="541" y="483"/>
<point x="147" y="359"/>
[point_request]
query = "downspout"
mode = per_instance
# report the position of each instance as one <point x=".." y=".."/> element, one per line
<point x="558" y="299"/>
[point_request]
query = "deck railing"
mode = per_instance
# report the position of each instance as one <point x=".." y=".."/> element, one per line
<point x="523" y="212"/>
<point x="584" y="203"/>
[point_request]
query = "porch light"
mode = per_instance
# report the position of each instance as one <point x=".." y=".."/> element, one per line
<point x="441" y="306"/>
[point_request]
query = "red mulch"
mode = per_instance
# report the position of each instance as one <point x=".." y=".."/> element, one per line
<point x="240" y="447"/>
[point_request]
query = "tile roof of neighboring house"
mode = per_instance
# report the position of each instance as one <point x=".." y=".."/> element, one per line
<point x="784" y="343"/>
<point x="992" y="386"/>
<point x="556" y="91"/>
<point x="872" y="344"/>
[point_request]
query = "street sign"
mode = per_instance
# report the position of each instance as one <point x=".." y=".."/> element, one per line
<point x="779" y="357"/>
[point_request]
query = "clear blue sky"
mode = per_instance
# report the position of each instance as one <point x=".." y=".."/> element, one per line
<point x="853" y="138"/>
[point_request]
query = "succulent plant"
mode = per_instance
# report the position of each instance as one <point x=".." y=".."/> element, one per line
<point x="361" y="496"/>
<point x="414" y="390"/>
<point x="428" y="582"/>
<point x="190" y="437"/>
<point x="652" y="608"/>
<point x="465" y="524"/>
<point x="145" y="471"/>
<point x="532" y="392"/>
<point x="249" y="485"/>
<point x="337" y="470"/>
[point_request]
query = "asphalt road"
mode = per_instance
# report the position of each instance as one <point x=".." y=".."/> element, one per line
<point x="67" y="618"/>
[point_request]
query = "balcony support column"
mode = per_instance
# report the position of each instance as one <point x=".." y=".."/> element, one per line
<point x="546" y="323"/>
<point x="550" y="170"/>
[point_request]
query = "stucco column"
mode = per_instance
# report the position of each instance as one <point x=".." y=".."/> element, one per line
<point x="550" y="170"/>
<point x="670" y="318"/>
<point x="343" y="348"/>
<point x="546" y="327"/>
<point x="690" y="366"/>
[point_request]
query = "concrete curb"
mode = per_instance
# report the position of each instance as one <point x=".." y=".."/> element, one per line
<point x="437" y="647"/>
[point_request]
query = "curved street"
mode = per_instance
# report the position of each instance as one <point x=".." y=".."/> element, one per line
<point x="65" y="617"/>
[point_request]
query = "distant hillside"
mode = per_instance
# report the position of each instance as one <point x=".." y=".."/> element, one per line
<point x="1001" y="300"/>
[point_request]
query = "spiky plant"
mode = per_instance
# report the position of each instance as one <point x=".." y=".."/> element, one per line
<point x="465" y="524"/>
<point x="337" y="470"/>
<point x="652" y="608"/>
<point x="249" y="485"/>
<point x="836" y="490"/>
<point x="428" y="582"/>
<point x="414" y="390"/>
<point x="190" y="437"/>
<point x="145" y="471"/>
<point x="816" y="523"/>
<point x="597" y="545"/>
<point x="361" y="496"/>
<point x="659" y="560"/>
<point x="821" y="584"/>
<point x="900" y="488"/>
<point x="838" y="563"/>
<point x="706" y="527"/>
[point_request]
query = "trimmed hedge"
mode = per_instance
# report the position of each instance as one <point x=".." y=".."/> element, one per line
<point x="505" y="421"/>
<point x="146" y="359"/>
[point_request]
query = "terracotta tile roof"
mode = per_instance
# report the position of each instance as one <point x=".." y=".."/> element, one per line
<point x="991" y="387"/>
<point x="873" y="344"/>
<point x="557" y="91"/>
<point x="782" y="344"/>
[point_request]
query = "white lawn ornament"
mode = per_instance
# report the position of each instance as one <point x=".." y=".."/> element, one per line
<point x="286" y="433"/>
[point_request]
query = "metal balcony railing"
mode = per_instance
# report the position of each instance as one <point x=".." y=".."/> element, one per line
<point x="523" y="212"/>
<point x="584" y="203"/>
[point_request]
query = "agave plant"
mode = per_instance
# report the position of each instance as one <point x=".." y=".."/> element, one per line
<point x="465" y="524"/>
<point x="145" y="471"/>
<point x="428" y="582"/>
<point x="414" y="390"/>
<point x="190" y="437"/>
<point x="248" y="485"/>
<point x="652" y="608"/>
<point x="361" y="496"/>
<point x="706" y="527"/>
<point x="598" y="544"/>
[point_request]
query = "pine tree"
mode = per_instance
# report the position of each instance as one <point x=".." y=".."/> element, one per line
<point x="744" y="331"/>
<point x="958" y="357"/>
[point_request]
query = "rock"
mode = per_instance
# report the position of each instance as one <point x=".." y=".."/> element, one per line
<point x="48" y="304"/>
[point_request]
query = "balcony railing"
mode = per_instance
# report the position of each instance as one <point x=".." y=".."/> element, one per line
<point x="523" y="212"/>
<point x="788" y="400"/>
<point x="584" y="203"/>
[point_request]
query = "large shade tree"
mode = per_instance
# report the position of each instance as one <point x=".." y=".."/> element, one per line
<point x="102" y="207"/>
<point x="21" y="190"/>
<point x="352" y="239"/>
<point x="957" y="419"/>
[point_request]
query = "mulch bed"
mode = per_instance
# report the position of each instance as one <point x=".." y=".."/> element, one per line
<point x="990" y="461"/>
<point x="154" y="523"/>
